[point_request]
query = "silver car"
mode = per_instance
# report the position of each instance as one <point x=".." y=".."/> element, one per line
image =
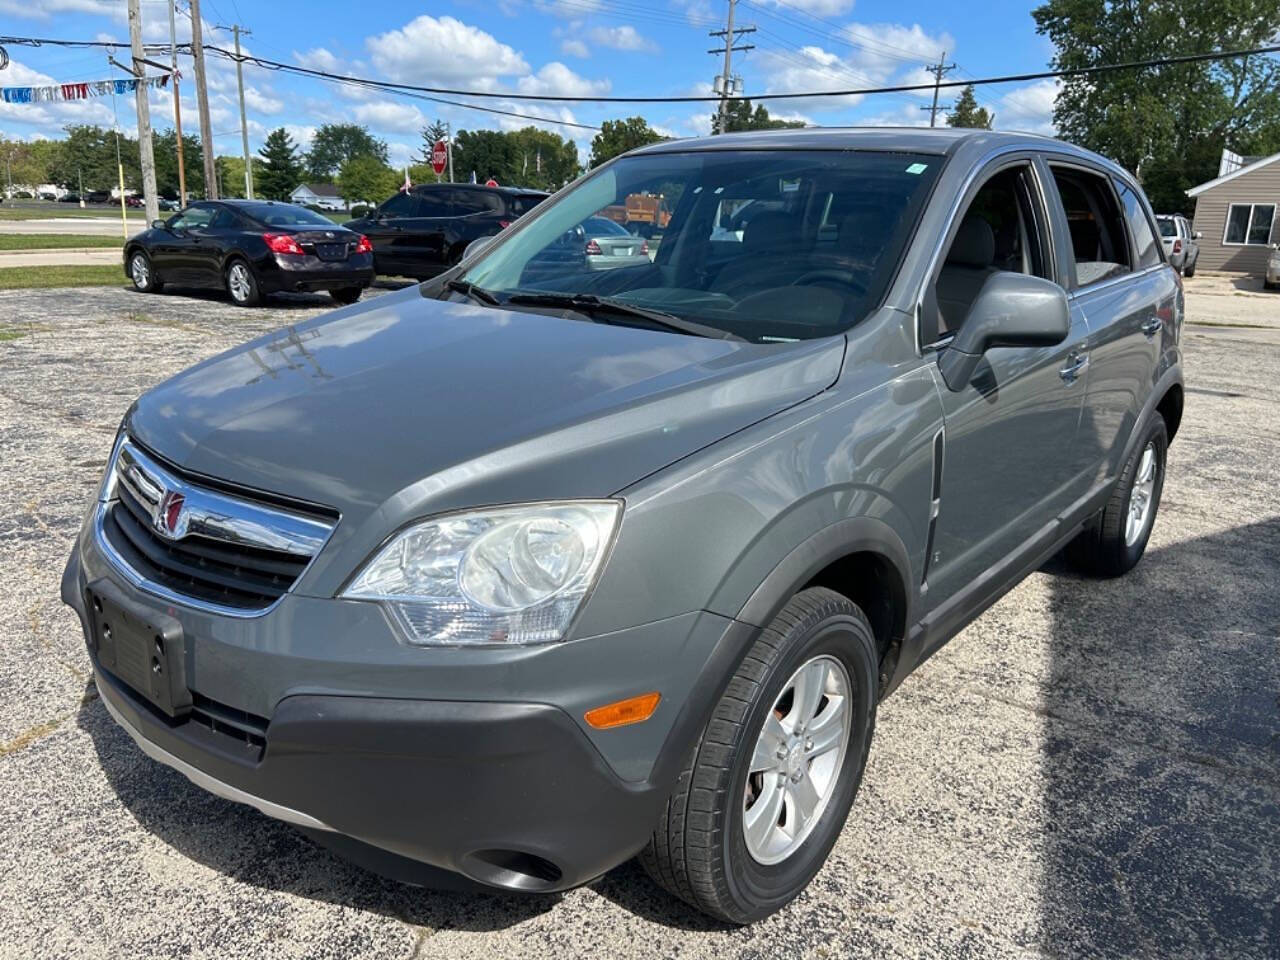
<point x="610" y="246"/>
<point x="1179" y="240"/>
<point x="1272" y="278"/>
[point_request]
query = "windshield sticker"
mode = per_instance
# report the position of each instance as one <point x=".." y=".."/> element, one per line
<point x="917" y="168"/>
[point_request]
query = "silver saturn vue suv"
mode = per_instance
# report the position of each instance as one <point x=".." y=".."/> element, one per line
<point x="533" y="568"/>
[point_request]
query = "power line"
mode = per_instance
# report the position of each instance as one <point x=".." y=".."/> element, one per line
<point x="699" y="98"/>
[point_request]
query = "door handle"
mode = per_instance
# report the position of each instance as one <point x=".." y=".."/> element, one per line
<point x="1151" y="327"/>
<point x="1075" y="366"/>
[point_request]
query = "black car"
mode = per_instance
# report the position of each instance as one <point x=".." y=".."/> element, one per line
<point x="250" y="248"/>
<point x="423" y="231"/>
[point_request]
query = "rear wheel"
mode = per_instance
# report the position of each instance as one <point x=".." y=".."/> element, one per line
<point x="1190" y="269"/>
<point x="1114" y="543"/>
<point x="767" y="789"/>
<point x="242" y="285"/>
<point x="346" y="295"/>
<point x="142" y="274"/>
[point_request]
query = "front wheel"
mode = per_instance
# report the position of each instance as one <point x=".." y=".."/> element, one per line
<point x="142" y="273"/>
<point x="242" y="285"/>
<point x="1113" y="543"/>
<point x="767" y="788"/>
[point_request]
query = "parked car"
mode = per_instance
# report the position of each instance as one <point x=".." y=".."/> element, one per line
<point x="423" y="231"/>
<point x="1179" y="241"/>
<point x="165" y="203"/>
<point x="1271" y="280"/>
<point x="98" y="196"/>
<point x="47" y="195"/>
<point x="134" y="201"/>
<point x="609" y="246"/>
<point x="250" y="248"/>
<point x="522" y="578"/>
<point x="69" y="197"/>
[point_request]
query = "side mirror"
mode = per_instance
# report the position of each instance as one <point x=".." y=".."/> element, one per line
<point x="159" y="225"/>
<point x="1197" y="235"/>
<point x="475" y="246"/>
<point x="1011" y="310"/>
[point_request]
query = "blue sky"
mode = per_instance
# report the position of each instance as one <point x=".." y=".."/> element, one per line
<point x="619" y="47"/>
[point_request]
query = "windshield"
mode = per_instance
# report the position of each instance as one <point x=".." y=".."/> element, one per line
<point x="285" y="215"/>
<point x="1167" y="227"/>
<point x="769" y="246"/>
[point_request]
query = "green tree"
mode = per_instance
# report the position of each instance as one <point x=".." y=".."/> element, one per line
<point x="27" y="163"/>
<point x="366" y="179"/>
<point x="967" y="113"/>
<point x="436" y="130"/>
<point x="283" y="169"/>
<point x="165" y="148"/>
<point x="486" y="153"/>
<point x="740" y="116"/>
<point x="619" y="136"/>
<point x="87" y="157"/>
<point x="336" y="143"/>
<point x="546" y="160"/>
<point x="231" y="175"/>
<point x="1168" y="124"/>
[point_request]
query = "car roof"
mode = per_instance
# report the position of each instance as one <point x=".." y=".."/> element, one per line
<point x="429" y="187"/>
<point x="943" y="141"/>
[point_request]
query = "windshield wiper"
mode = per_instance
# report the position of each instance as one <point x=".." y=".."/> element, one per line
<point x="475" y="293"/>
<point x="592" y="305"/>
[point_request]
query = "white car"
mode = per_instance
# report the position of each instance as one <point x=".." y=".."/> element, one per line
<point x="1180" y="246"/>
<point x="1272" y="278"/>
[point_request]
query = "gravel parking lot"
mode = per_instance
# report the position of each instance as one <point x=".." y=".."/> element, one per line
<point x="1089" y="770"/>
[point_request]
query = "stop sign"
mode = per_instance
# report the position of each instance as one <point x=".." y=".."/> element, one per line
<point x="439" y="156"/>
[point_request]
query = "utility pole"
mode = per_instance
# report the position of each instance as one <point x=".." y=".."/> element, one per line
<point x="727" y="85"/>
<point x="940" y="71"/>
<point x="145" y="152"/>
<point x="202" y="102"/>
<point x="448" y="147"/>
<point x="236" y="30"/>
<point x="177" y="102"/>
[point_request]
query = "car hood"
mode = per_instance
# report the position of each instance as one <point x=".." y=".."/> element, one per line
<point x="408" y="405"/>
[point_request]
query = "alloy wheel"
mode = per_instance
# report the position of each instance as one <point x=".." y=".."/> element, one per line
<point x="1140" y="499"/>
<point x="239" y="282"/>
<point x="141" y="271"/>
<point x="797" y="760"/>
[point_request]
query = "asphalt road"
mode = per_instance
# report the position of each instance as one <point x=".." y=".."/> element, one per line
<point x="1090" y="770"/>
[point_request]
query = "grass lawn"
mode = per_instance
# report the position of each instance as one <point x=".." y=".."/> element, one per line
<point x="55" y="241"/>
<point x="95" y="275"/>
<point x="65" y="210"/>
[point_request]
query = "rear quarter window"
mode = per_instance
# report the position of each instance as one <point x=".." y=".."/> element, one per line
<point x="1144" y="238"/>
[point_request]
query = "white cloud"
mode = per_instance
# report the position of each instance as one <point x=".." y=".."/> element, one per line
<point x="319" y="58"/>
<point x="390" y="115"/>
<point x="255" y="99"/>
<point x="431" y="49"/>
<point x="55" y="114"/>
<point x="555" y="79"/>
<point x="821" y="8"/>
<point x="47" y="9"/>
<point x="621" y="38"/>
<point x="1029" y="108"/>
<point x="574" y="48"/>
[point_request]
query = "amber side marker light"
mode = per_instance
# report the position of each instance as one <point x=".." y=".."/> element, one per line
<point x="631" y="710"/>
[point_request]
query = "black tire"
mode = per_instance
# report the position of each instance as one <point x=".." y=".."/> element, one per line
<point x="142" y="273"/>
<point x="1190" y="270"/>
<point x="698" y="852"/>
<point x="1102" y="548"/>
<point x="346" y="295"/>
<point x="241" y="283"/>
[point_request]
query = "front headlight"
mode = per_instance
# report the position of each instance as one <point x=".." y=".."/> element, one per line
<point x="503" y="575"/>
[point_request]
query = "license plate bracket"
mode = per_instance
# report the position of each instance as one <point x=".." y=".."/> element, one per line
<point x="141" y="646"/>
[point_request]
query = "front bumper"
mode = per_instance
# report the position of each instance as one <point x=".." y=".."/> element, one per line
<point x="509" y="788"/>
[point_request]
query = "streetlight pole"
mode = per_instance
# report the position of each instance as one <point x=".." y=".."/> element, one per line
<point x="177" y="103"/>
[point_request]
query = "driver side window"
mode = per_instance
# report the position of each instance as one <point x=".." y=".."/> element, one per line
<point x="999" y="231"/>
<point x="193" y="218"/>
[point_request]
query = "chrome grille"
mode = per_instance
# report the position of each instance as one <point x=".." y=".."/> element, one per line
<point x="189" y="542"/>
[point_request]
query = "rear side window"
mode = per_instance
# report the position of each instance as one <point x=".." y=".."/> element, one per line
<point x="466" y="202"/>
<point x="521" y="204"/>
<point x="401" y="205"/>
<point x="1144" y="239"/>
<point x="1098" y="239"/>
<point x="224" y="219"/>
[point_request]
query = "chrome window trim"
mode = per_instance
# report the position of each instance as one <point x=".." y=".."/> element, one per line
<point x="213" y="514"/>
